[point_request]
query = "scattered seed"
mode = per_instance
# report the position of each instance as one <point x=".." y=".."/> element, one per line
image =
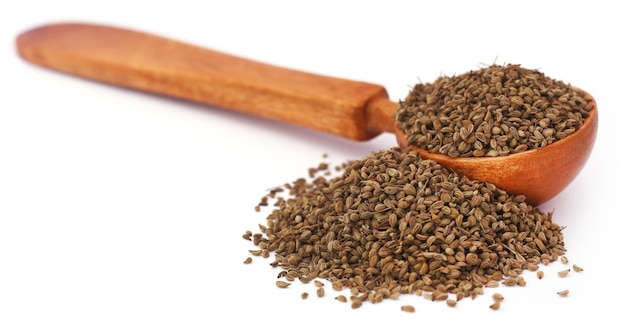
<point x="492" y="284"/>
<point x="540" y="274"/>
<point x="320" y="292"/>
<point x="341" y="298"/>
<point x="451" y="302"/>
<point x="495" y="305"/>
<point x="497" y="297"/>
<point x="407" y="308"/>
<point x="563" y="293"/>
<point x="564" y="260"/>
<point x="304" y="295"/>
<point x="371" y="229"/>
<point x="577" y="268"/>
<point x="248" y="260"/>
<point x="509" y="281"/>
<point x="282" y="284"/>
<point x="440" y="296"/>
<point x="563" y="273"/>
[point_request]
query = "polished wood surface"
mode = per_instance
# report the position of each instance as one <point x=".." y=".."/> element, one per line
<point x="155" y="64"/>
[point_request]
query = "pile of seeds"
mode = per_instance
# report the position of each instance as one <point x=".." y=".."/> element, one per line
<point x="392" y="223"/>
<point x="494" y="111"/>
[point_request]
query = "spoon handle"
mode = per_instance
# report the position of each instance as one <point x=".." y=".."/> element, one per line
<point x="132" y="59"/>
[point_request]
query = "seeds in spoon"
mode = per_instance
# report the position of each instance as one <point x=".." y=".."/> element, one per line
<point x="493" y="111"/>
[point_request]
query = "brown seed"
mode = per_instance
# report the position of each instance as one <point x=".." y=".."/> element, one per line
<point x="341" y="298"/>
<point x="540" y="274"/>
<point x="328" y="226"/>
<point x="495" y="305"/>
<point x="247" y="236"/>
<point x="577" y="268"/>
<point x="563" y="293"/>
<point x="356" y="304"/>
<point x="563" y="273"/>
<point x="492" y="284"/>
<point x="320" y="292"/>
<point x="510" y="281"/>
<point x="282" y="284"/>
<point x="248" y="260"/>
<point x="437" y="117"/>
<point x="407" y="308"/>
<point x="497" y="297"/>
<point x="451" y="302"/>
<point x="304" y="295"/>
<point x="564" y="260"/>
<point x="440" y="296"/>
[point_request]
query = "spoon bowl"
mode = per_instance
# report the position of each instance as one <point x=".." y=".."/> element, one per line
<point x="350" y="109"/>
<point x="539" y="174"/>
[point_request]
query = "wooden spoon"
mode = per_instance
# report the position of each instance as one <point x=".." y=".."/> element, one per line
<point x="351" y="109"/>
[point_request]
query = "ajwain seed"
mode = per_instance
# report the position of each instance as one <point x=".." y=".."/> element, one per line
<point x="304" y="295"/>
<point x="497" y="297"/>
<point x="341" y="298"/>
<point x="540" y="274"/>
<point x="563" y="273"/>
<point x="492" y="284"/>
<point x="248" y="260"/>
<point x="393" y="223"/>
<point x="577" y="268"/>
<point x="407" y="308"/>
<point x="509" y="281"/>
<point x="454" y="115"/>
<point x="282" y="284"/>
<point x="320" y="292"/>
<point x="563" y="293"/>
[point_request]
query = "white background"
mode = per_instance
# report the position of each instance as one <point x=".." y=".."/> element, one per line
<point x="122" y="210"/>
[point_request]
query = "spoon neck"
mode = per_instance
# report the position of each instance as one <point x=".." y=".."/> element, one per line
<point x="380" y="115"/>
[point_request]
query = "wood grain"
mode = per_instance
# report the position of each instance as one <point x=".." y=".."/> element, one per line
<point x="132" y="59"/>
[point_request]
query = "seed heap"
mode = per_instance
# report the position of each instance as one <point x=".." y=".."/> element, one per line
<point x="394" y="224"/>
<point x="494" y="111"/>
